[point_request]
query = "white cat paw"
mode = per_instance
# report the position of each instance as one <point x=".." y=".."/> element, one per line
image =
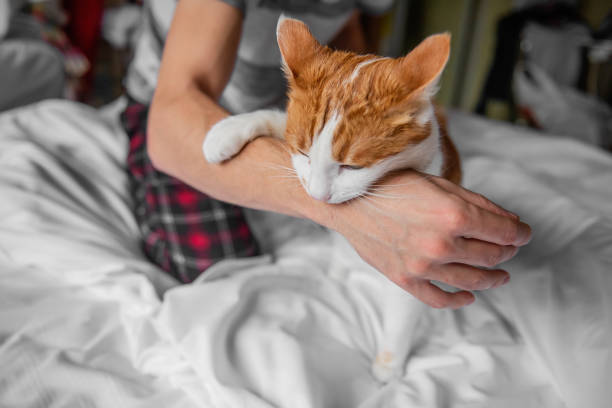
<point x="225" y="139"/>
<point x="383" y="368"/>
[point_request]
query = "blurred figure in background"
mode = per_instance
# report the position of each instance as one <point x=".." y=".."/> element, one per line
<point x="30" y="68"/>
<point x="47" y="48"/>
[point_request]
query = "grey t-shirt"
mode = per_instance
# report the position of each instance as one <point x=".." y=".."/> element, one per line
<point x="257" y="81"/>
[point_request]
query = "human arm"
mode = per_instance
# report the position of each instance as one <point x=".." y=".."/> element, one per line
<point x="192" y="76"/>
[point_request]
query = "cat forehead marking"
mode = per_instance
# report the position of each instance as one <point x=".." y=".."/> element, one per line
<point x="323" y="167"/>
<point x="321" y="151"/>
<point x="358" y="67"/>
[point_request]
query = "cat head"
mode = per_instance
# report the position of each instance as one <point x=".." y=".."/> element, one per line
<point x="352" y="118"/>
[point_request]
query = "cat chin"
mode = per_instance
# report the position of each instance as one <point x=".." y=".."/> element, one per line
<point x="340" y="200"/>
<point x="343" y="198"/>
<point x="335" y="199"/>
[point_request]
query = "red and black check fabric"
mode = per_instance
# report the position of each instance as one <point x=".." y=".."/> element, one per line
<point x="183" y="230"/>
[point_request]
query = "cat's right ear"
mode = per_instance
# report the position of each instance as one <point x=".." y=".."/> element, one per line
<point x="297" y="45"/>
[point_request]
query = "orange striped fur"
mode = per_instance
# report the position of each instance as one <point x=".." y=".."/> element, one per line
<point x="379" y="99"/>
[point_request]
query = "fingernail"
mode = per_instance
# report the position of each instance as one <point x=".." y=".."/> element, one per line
<point x="502" y="281"/>
<point x="524" y="234"/>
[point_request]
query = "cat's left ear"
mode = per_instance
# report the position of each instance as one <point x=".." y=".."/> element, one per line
<point x="297" y="45"/>
<point x="422" y="67"/>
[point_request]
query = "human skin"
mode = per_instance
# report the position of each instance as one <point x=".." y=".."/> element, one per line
<point x="439" y="231"/>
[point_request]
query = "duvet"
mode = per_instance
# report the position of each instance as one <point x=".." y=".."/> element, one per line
<point x="86" y="320"/>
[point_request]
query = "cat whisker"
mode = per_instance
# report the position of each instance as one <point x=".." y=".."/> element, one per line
<point x="284" y="146"/>
<point x="392" y="185"/>
<point x="285" y="171"/>
<point x="397" y="185"/>
<point x="278" y="167"/>
<point x="289" y="181"/>
<point x="374" y="193"/>
<point x="288" y="174"/>
<point x="384" y="188"/>
<point x="370" y="203"/>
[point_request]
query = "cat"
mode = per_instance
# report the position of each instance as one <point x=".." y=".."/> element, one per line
<point x="351" y="119"/>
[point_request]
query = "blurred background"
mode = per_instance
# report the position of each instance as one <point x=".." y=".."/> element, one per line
<point x="545" y="64"/>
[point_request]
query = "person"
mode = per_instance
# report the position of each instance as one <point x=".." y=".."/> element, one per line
<point x="221" y="58"/>
<point x="30" y="69"/>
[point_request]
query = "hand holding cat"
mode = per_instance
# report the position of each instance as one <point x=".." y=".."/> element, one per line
<point x="428" y="228"/>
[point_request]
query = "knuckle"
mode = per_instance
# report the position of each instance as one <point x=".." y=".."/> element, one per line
<point x="403" y="281"/>
<point x="451" y="202"/>
<point x="438" y="248"/>
<point x="457" y="216"/>
<point x="420" y="267"/>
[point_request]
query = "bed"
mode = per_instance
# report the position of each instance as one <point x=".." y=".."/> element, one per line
<point x="87" y="321"/>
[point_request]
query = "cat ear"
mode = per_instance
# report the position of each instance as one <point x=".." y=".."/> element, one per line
<point x="422" y="67"/>
<point x="296" y="43"/>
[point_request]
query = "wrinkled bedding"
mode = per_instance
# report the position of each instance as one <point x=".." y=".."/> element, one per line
<point x="85" y="320"/>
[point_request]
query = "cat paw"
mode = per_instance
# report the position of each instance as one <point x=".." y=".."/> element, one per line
<point x="383" y="368"/>
<point x="225" y="139"/>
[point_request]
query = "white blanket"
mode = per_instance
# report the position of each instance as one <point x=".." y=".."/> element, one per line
<point x="85" y="320"/>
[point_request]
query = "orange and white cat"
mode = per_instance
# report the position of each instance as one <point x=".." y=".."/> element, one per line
<point x="351" y="119"/>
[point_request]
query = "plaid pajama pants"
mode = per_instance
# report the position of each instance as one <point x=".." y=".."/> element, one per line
<point x="183" y="230"/>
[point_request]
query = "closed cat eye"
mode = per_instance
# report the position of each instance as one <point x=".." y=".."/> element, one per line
<point x="303" y="153"/>
<point x="349" y="167"/>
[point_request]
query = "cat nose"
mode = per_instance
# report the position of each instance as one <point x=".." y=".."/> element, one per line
<point x="320" y="195"/>
<point x="319" y="189"/>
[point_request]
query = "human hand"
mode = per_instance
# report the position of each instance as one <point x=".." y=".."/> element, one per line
<point x="415" y="229"/>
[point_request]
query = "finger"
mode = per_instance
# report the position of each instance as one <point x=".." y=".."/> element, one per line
<point x="435" y="297"/>
<point x="467" y="277"/>
<point x="490" y="227"/>
<point x="481" y="253"/>
<point x="476" y="199"/>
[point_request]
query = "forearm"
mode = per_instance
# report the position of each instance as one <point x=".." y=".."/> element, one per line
<point x="255" y="178"/>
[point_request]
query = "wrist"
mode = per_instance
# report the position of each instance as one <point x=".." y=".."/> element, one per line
<point x="322" y="213"/>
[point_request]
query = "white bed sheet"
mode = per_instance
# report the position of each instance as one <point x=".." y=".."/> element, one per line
<point x="85" y="320"/>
